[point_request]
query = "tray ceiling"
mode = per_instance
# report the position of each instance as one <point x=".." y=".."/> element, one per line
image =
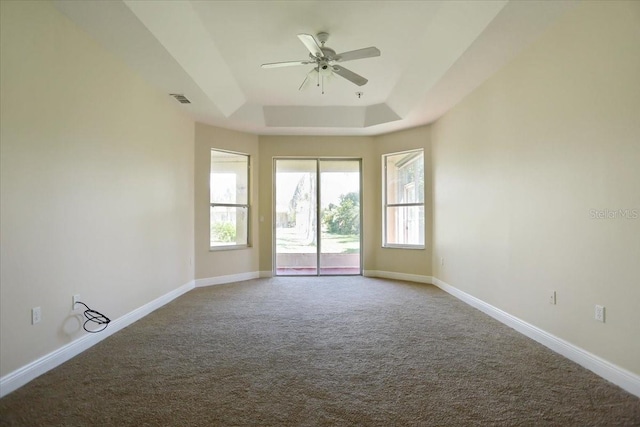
<point x="433" y="54"/>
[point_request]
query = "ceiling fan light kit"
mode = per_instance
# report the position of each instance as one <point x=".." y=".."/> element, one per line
<point x="325" y="60"/>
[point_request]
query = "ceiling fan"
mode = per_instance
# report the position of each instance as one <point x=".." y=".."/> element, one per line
<point x="325" y="60"/>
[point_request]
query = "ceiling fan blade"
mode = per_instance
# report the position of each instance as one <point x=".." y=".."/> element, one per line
<point x="304" y="82"/>
<point x="350" y="75"/>
<point x="367" y="52"/>
<point x="310" y="43"/>
<point x="308" y="80"/>
<point x="286" y="64"/>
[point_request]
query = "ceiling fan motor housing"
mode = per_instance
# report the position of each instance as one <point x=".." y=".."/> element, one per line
<point x="329" y="53"/>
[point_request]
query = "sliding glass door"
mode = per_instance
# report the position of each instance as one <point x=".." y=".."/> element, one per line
<point x="339" y="217"/>
<point x="317" y="217"/>
<point x="295" y="217"/>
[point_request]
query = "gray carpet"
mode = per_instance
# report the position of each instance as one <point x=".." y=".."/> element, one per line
<point x="318" y="351"/>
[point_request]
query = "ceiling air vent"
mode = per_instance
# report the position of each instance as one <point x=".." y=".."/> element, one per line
<point x="181" y="98"/>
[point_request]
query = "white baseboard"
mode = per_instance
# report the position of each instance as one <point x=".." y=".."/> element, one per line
<point x="607" y="370"/>
<point x="16" y="379"/>
<point x="398" y="276"/>
<point x="230" y="278"/>
<point x="264" y="274"/>
<point x="613" y="373"/>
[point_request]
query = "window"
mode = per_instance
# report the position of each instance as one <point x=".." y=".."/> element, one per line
<point x="403" y="199"/>
<point x="229" y="199"/>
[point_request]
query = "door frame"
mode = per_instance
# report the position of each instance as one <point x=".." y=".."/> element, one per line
<point x="274" y="268"/>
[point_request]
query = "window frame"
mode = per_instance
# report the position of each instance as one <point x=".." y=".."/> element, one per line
<point x="246" y="205"/>
<point x="386" y="205"/>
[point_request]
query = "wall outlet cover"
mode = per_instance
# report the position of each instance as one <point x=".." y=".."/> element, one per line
<point x="36" y="315"/>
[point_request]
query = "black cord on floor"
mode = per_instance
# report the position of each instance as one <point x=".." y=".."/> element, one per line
<point x="94" y="317"/>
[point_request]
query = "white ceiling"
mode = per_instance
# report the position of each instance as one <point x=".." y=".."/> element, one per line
<point x="433" y="54"/>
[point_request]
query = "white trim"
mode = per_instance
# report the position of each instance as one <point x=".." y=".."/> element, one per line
<point x="16" y="379"/>
<point x="230" y="278"/>
<point x="607" y="370"/>
<point x="265" y="274"/>
<point x="398" y="276"/>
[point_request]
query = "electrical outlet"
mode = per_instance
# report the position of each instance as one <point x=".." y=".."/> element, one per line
<point x="74" y="300"/>
<point x="36" y="315"/>
<point x="599" y="315"/>
<point x="552" y="297"/>
<point x="442" y="261"/>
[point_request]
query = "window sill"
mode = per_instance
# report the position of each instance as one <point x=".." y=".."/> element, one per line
<point x="228" y="248"/>
<point x="410" y="247"/>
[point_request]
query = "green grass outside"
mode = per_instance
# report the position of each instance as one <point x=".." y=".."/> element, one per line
<point x="288" y="241"/>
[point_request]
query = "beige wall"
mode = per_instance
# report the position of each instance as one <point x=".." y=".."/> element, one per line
<point x="414" y="261"/>
<point x="223" y="262"/>
<point x="521" y="163"/>
<point x="96" y="184"/>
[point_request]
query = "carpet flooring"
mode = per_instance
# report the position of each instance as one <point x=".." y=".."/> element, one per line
<point x="345" y="351"/>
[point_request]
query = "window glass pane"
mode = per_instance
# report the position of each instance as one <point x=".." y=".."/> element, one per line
<point x="229" y="178"/>
<point x="404" y="185"/>
<point x="296" y="220"/>
<point x="405" y="177"/>
<point x="228" y="226"/>
<point x="339" y="217"/>
<point x="405" y="225"/>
